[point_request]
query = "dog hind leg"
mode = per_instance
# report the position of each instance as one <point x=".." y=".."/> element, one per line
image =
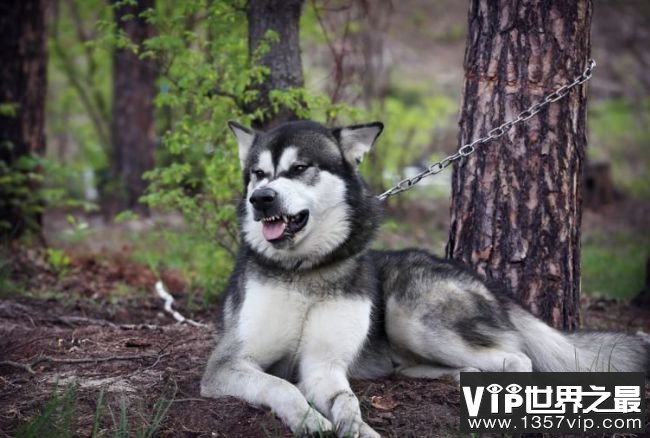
<point x="439" y="341"/>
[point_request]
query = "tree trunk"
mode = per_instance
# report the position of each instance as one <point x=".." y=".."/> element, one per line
<point x="23" y="83"/>
<point x="516" y="207"/>
<point x="132" y="128"/>
<point x="282" y="59"/>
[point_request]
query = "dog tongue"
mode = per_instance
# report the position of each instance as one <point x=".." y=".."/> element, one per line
<point x="273" y="230"/>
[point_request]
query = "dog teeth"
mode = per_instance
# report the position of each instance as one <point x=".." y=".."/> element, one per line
<point x="274" y="218"/>
<point x="284" y="218"/>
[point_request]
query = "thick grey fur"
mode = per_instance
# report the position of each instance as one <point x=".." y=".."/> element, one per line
<point x="428" y="317"/>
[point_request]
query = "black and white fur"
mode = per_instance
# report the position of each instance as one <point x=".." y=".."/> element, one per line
<point x="308" y="305"/>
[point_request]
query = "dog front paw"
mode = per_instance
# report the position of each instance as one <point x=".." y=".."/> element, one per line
<point x="347" y="418"/>
<point x="313" y="424"/>
<point x="366" y="431"/>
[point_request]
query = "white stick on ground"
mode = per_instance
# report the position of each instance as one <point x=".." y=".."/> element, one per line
<point x="169" y="300"/>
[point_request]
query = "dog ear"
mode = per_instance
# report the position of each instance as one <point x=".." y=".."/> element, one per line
<point x="245" y="138"/>
<point x="356" y="140"/>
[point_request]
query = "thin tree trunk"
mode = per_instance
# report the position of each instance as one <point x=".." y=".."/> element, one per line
<point x="516" y="207"/>
<point x="132" y="128"/>
<point x="23" y="83"/>
<point x="282" y="59"/>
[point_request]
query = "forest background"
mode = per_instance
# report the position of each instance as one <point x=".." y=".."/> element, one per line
<point x="139" y="178"/>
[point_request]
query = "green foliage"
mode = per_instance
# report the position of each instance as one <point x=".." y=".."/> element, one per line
<point x="200" y="261"/>
<point x="204" y="80"/>
<point x="151" y="426"/>
<point x="55" y="419"/>
<point x="121" y="423"/>
<point x="78" y="232"/>
<point x="19" y="194"/>
<point x="209" y="79"/>
<point x="99" y="412"/>
<point x="8" y="109"/>
<point x="31" y="183"/>
<point x="79" y="94"/>
<point x="25" y="192"/>
<point x="613" y="265"/>
<point x="159" y="413"/>
<point x="58" y="260"/>
<point x="7" y="284"/>
<point x="410" y="121"/>
<point x="413" y="117"/>
<point x="619" y="134"/>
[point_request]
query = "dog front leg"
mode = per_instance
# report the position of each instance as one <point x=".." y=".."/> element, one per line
<point x="244" y="380"/>
<point x="326" y="386"/>
<point x="333" y="338"/>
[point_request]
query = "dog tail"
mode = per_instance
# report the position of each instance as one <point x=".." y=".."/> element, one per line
<point x="552" y="350"/>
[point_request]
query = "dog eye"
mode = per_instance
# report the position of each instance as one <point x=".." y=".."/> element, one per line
<point x="258" y="173"/>
<point x="299" y="168"/>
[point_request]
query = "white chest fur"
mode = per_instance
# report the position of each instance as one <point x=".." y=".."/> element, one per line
<point x="271" y="320"/>
<point x="277" y="320"/>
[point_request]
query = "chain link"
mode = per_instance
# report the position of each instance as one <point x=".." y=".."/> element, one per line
<point x="492" y="134"/>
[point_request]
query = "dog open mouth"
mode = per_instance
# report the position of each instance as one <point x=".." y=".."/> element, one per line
<point x="279" y="227"/>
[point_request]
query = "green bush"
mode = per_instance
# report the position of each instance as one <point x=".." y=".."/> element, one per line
<point x="613" y="264"/>
<point x="56" y="418"/>
<point x="408" y="133"/>
<point x="208" y="79"/>
<point x="619" y="135"/>
<point x="20" y="196"/>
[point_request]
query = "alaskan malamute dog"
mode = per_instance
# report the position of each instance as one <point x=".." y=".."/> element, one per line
<point x="308" y="305"/>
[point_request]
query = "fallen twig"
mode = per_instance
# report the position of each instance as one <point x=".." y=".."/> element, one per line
<point x="179" y="400"/>
<point x="74" y="321"/>
<point x="161" y="354"/>
<point x="25" y="366"/>
<point x="29" y="367"/>
<point x="31" y="341"/>
<point x="139" y="326"/>
<point x="169" y="300"/>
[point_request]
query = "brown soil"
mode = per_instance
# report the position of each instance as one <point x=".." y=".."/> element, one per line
<point x="170" y="358"/>
<point x="74" y="328"/>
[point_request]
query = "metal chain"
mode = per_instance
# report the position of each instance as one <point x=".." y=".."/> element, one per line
<point x="493" y="134"/>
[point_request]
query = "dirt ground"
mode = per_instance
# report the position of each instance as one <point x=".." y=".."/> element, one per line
<point x="136" y="352"/>
<point x="75" y="328"/>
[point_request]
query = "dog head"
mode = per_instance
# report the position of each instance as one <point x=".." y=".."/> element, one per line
<point x="305" y="200"/>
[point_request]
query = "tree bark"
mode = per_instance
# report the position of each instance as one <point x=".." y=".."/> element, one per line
<point x="516" y="207"/>
<point x="23" y="84"/>
<point x="132" y="127"/>
<point x="282" y="59"/>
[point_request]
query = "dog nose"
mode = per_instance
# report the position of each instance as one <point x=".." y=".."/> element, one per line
<point x="263" y="198"/>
